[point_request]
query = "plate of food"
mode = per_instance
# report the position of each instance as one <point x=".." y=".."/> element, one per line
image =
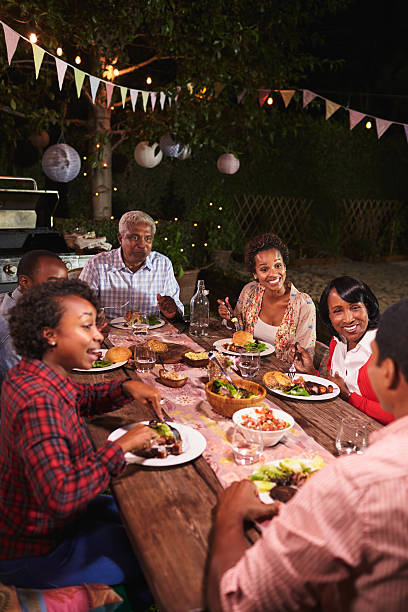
<point x="280" y="480"/>
<point x="109" y="359"/>
<point x="170" y="449"/>
<point x="304" y="386"/>
<point x="134" y="317"/>
<point x="243" y="342"/>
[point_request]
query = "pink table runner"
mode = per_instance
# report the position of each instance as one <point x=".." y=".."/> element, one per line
<point x="188" y="405"/>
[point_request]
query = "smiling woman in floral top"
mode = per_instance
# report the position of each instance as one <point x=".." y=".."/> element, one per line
<point x="271" y="308"/>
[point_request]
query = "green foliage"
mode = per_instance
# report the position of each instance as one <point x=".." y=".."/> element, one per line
<point x="175" y="239"/>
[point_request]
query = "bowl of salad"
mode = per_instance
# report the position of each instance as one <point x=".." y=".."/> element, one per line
<point x="273" y="423"/>
<point x="226" y="400"/>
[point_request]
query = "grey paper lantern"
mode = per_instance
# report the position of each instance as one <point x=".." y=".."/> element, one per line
<point x="170" y="147"/>
<point x="148" y="156"/>
<point x="61" y="163"/>
<point x="228" y="163"/>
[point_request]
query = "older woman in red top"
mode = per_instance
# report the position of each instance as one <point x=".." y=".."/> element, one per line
<point x="350" y="311"/>
<point x="56" y="527"/>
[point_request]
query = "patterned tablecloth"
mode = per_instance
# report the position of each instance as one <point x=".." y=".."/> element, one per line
<point x="188" y="405"/>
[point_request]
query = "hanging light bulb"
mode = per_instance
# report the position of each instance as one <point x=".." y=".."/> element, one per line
<point x="149" y="80"/>
<point x="369" y="125"/>
<point x="269" y="101"/>
<point x="78" y="60"/>
<point x="116" y="72"/>
<point x="33" y="38"/>
<point x="115" y="189"/>
<point x="59" y="51"/>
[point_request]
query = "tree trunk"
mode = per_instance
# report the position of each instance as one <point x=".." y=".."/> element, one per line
<point x="101" y="176"/>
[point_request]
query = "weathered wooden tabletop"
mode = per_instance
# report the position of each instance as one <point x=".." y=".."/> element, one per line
<point x="167" y="511"/>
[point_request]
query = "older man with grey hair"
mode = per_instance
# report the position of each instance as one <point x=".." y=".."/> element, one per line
<point x="134" y="273"/>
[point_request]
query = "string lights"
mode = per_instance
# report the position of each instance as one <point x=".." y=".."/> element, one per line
<point x="33" y="38"/>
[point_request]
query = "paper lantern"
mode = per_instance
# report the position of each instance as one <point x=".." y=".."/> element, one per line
<point x="228" y="163"/>
<point x="170" y="147"/>
<point x="40" y="140"/>
<point x="148" y="156"/>
<point x="61" y="163"/>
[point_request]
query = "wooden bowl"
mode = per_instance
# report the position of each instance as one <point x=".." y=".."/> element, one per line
<point x="172" y="383"/>
<point x="226" y="406"/>
<point x="195" y="363"/>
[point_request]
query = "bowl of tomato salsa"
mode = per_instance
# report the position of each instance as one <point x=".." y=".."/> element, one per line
<point x="273" y="423"/>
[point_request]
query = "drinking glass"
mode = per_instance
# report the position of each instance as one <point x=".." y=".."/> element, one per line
<point x="246" y="446"/>
<point x="141" y="325"/>
<point x="145" y="358"/>
<point x="249" y="364"/>
<point x="352" y="436"/>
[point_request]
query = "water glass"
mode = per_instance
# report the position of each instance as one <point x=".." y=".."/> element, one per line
<point x="246" y="446"/>
<point x="145" y="358"/>
<point x="249" y="364"/>
<point x="141" y="325"/>
<point x="352" y="436"/>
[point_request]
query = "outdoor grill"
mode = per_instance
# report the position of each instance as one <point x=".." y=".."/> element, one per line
<point x="26" y="223"/>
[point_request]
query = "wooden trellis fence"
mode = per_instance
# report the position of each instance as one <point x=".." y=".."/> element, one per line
<point x="372" y="220"/>
<point x="257" y="214"/>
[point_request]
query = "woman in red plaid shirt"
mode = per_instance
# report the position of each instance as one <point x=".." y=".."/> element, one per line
<point x="56" y="527"/>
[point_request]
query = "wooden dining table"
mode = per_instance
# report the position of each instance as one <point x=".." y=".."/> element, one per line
<point x="167" y="511"/>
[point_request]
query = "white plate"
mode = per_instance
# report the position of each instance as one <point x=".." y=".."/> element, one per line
<point x="310" y="398"/>
<point x="219" y="346"/>
<point x="113" y="366"/>
<point x="193" y="445"/>
<point x="264" y="496"/>
<point x="119" y="322"/>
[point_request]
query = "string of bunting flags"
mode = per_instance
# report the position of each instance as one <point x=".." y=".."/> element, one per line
<point x="12" y="38"/>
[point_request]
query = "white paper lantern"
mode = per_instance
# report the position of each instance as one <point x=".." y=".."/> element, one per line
<point x="228" y="163"/>
<point x="148" y="156"/>
<point x="61" y="163"/>
<point x="170" y="147"/>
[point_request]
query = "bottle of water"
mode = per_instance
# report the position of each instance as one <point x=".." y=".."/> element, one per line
<point x="199" y="311"/>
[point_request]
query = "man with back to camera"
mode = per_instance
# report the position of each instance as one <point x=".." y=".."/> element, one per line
<point x="134" y="273"/>
<point x="344" y="534"/>
<point x="34" y="267"/>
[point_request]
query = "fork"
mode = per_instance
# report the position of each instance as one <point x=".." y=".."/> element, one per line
<point x="292" y="368"/>
<point x="233" y="319"/>
<point x="109" y="307"/>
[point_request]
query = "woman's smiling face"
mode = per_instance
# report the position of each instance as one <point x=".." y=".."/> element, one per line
<point x="350" y="320"/>
<point x="270" y="270"/>
<point x="77" y="339"/>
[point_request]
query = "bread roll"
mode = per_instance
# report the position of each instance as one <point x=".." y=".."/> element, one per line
<point x="276" y="380"/>
<point x="118" y="353"/>
<point x="157" y="346"/>
<point x="240" y="338"/>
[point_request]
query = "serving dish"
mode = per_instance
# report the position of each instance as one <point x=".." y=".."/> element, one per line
<point x="169" y="382"/>
<point x="226" y="406"/>
<point x="195" y="363"/>
<point x="270" y="438"/>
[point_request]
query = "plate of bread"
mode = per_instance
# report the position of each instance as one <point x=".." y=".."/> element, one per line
<point x="243" y="342"/>
<point x="304" y="386"/>
<point x="109" y="359"/>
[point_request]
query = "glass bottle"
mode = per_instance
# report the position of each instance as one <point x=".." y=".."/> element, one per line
<point x="199" y="311"/>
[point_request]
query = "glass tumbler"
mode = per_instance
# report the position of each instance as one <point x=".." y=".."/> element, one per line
<point x="352" y="436"/>
<point x="145" y="358"/>
<point x="140" y="325"/>
<point x="246" y="446"/>
<point x="249" y="364"/>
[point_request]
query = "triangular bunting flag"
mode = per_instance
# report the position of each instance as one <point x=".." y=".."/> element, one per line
<point x="241" y="96"/>
<point x="262" y="95"/>
<point x="61" y="70"/>
<point x="109" y="92"/>
<point x="145" y="98"/>
<point x="123" y="92"/>
<point x="287" y="95"/>
<point x="133" y="97"/>
<point x="331" y="108"/>
<point x="308" y="96"/>
<point x="38" y="55"/>
<point x="11" y="38"/>
<point x="162" y="99"/>
<point x="79" y="80"/>
<point x="94" y="86"/>
<point x="170" y="99"/>
<point x="355" y="117"/>
<point x="153" y="96"/>
<point x="218" y="87"/>
<point x="406" y="131"/>
<point x="382" y="126"/>
<point x="178" y="92"/>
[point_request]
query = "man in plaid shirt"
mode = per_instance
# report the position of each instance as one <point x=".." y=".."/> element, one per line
<point x="134" y="273"/>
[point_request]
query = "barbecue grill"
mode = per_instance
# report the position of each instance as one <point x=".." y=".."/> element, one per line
<point x="26" y="223"/>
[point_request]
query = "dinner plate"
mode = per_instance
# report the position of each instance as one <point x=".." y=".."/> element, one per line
<point x="219" y="346"/>
<point x="112" y="366"/>
<point x="309" y="398"/>
<point x="119" y="322"/>
<point x="193" y="445"/>
<point x="264" y="496"/>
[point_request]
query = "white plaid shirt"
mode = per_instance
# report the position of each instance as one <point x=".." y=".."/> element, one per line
<point x="114" y="283"/>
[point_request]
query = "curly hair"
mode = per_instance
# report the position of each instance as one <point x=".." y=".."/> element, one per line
<point x="350" y="290"/>
<point x="39" y="307"/>
<point x="264" y="242"/>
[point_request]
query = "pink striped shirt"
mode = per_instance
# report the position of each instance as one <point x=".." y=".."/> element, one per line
<point x="344" y="534"/>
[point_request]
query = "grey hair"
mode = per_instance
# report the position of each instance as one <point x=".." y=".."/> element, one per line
<point x="135" y="216"/>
